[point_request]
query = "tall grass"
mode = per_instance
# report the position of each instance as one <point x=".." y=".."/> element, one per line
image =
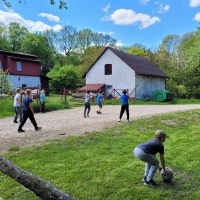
<point x="101" y="166"/>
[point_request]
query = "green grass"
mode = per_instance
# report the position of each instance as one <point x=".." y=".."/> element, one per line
<point x="57" y="102"/>
<point x="101" y="166"/>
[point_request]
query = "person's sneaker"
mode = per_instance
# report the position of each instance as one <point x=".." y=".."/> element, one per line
<point x="15" y="121"/>
<point x="84" y="116"/>
<point x="143" y="178"/>
<point x="100" y="112"/>
<point x="97" y="112"/>
<point x="150" y="183"/>
<point x="21" y="130"/>
<point x="38" y="128"/>
<point x="87" y="115"/>
<point x="119" y="120"/>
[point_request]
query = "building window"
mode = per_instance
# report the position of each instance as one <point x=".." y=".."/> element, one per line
<point x="19" y="66"/>
<point x="108" y="69"/>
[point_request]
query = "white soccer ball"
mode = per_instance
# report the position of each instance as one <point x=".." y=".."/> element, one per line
<point x="167" y="177"/>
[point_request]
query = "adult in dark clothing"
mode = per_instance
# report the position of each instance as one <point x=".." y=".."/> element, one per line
<point x="146" y="152"/>
<point x="124" y="105"/>
<point x="28" y="112"/>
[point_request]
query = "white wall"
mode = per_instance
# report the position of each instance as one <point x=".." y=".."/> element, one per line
<point x="123" y="77"/>
<point x="30" y="81"/>
<point x="146" y="85"/>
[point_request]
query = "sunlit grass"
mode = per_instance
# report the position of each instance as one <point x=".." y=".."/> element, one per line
<point x="100" y="165"/>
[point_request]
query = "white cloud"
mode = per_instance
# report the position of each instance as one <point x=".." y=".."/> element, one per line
<point x="128" y="17"/>
<point x="106" y="8"/>
<point x="163" y="9"/>
<point x="32" y="26"/>
<point x="144" y="1"/>
<point x="50" y="17"/>
<point x="197" y="17"/>
<point x="194" y="3"/>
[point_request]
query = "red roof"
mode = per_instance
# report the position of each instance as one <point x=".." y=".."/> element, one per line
<point x="92" y="87"/>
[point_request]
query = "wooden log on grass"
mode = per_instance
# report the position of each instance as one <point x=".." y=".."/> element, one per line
<point x="41" y="188"/>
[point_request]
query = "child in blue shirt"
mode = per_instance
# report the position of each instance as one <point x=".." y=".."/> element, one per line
<point x="124" y="105"/>
<point x="99" y="102"/>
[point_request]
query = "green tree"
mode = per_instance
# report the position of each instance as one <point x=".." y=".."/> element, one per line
<point x="4" y="44"/>
<point x="37" y="44"/>
<point x="4" y="82"/>
<point x="16" y="35"/>
<point x="64" y="77"/>
<point x="91" y="54"/>
<point x="62" y="4"/>
<point x="139" y="50"/>
<point x="67" y="39"/>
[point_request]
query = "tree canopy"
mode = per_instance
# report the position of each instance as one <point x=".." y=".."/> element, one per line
<point x="62" y="4"/>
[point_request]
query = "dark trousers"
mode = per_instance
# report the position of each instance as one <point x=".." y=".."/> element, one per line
<point x="123" y="108"/>
<point x="27" y="114"/>
<point x="87" y="108"/>
<point x="42" y="105"/>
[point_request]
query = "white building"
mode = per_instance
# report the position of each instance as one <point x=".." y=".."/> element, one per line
<point x="116" y="70"/>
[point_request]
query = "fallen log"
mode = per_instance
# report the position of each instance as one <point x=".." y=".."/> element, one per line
<point x="41" y="188"/>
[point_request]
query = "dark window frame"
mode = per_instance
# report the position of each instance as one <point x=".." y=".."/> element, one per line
<point x="108" y="69"/>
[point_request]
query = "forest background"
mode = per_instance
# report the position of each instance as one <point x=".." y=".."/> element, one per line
<point x="67" y="54"/>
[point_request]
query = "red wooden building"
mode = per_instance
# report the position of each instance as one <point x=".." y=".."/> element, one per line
<point x="24" y="70"/>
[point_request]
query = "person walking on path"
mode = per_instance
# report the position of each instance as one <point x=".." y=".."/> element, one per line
<point x="28" y="112"/>
<point x="146" y="152"/>
<point x="42" y="101"/>
<point x="88" y="98"/>
<point x="17" y="105"/>
<point x="124" y="105"/>
<point x="99" y="102"/>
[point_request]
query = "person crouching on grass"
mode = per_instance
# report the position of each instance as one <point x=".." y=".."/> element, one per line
<point x="146" y="152"/>
<point x="28" y="112"/>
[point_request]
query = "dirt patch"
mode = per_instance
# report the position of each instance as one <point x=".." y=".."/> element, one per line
<point x="64" y="123"/>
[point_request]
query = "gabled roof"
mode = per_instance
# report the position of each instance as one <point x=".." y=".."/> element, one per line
<point x="140" y="65"/>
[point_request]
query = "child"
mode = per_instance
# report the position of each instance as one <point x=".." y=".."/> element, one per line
<point x="124" y="105"/>
<point x="42" y="100"/>
<point x="146" y="152"/>
<point x="87" y="103"/>
<point x="28" y="112"/>
<point x="17" y="105"/>
<point x="99" y="102"/>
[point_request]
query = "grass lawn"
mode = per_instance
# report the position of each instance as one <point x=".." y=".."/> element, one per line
<point x="58" y="102"/>
<point x="101" y="166"/>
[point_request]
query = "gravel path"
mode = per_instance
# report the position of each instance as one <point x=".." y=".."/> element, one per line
<point x="64" y="123"/>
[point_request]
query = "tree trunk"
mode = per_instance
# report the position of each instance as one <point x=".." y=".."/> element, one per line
<point x="41" y="188"/>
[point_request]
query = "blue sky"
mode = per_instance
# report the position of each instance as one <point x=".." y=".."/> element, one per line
<point x="129" y="21"/>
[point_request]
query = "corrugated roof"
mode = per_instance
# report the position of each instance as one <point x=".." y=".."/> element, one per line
<point x="92" y="87"/>
<point x="140" y="65"/>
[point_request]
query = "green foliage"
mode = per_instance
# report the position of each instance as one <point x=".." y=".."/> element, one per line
<point x="64" y="77"/>
<point x="101" y="165"/>
<point x="4" y="81"/>
<point x="37" y="44"/>
<point x="54" y="102"/>
<point x="91" y="54"/>
<point x="62" y="4"/>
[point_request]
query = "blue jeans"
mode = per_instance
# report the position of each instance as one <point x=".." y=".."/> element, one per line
<point x="152" y="163"/>
<point x="18" y="113"/>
